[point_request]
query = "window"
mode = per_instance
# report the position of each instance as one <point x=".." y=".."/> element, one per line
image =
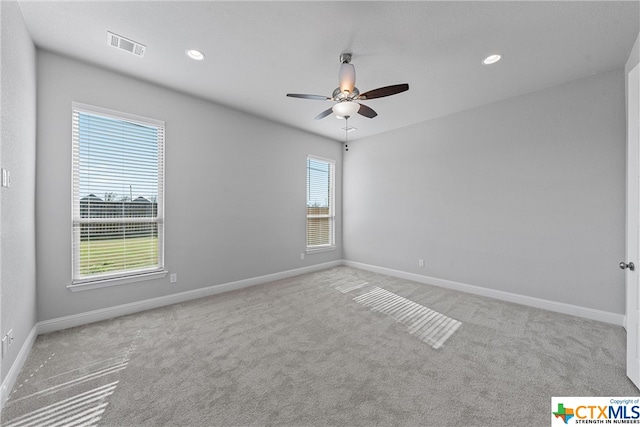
<point x="320" y="203"/>
<point x="118" y="177"/>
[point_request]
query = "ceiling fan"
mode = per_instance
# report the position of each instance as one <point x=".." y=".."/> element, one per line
<point x="347" y="94"/>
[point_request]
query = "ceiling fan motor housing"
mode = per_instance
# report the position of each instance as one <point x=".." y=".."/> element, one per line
<point x="339" y="96"/>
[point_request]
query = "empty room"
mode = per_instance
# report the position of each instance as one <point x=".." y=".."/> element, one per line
<point x="319" y="213"/>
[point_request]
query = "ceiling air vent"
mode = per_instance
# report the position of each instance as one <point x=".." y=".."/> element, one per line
<point x="122" y="43"/>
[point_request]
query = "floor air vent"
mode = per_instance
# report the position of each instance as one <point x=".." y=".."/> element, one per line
<point x="125" y="44"/>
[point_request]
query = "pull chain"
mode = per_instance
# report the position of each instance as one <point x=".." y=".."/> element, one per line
<point x="346" y="133"/>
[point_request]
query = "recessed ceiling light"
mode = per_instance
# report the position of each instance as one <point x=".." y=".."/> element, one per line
<point x="195" y="54"/>
<point x="491" y="59"/>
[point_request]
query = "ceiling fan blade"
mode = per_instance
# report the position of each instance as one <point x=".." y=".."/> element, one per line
<point x="366" y="111"/>
<point x="384" y="91"/>
<point x="305" y="96"/>
<point x="324" y="114"/>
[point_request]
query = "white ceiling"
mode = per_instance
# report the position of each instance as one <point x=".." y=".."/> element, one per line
<point x="256" y="52"/>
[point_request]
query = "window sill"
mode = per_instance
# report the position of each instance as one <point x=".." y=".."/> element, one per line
<point x="115" y="281"/>
<point x="320" y="249"/>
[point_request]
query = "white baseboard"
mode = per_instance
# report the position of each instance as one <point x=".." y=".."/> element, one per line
<point x="12" y="375"/>
<point x="130" y="308"/>
<point x="558" y="307"/>
<point x="135" y="307"/>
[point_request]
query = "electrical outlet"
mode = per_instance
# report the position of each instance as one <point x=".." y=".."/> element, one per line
<point x="420" y="262"/>
<point x="302" y="255"/>
<point x="10" y="336"/>
<point x="173" y="277"/>
<point x="6" y="178"/>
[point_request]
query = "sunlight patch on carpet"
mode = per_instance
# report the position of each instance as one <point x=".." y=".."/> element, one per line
<point x="349" y="286"/>
<point x="427" y="325"/>
<point x="82" y="409"/>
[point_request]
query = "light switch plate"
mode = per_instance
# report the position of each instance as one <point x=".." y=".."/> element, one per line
<point x="6" y="178"/>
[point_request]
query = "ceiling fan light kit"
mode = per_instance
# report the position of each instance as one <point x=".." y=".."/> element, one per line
<point x="346" y="94"/>
<point x="345" y="109"/>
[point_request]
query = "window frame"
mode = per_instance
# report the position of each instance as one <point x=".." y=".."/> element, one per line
<point x="332" y="209"/>
<point x="100" y="280"/>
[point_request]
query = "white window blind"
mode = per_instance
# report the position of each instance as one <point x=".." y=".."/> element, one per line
<point x="118" y="194"/>
<point x="320" y="203"/>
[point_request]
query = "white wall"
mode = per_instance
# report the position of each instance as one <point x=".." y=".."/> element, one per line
<point x="18" y="155"/>
<point x="235" y="188"/>
<point x="523" y="196"/>
<point x="632" y="61"/>
<point x="634" y="57"/>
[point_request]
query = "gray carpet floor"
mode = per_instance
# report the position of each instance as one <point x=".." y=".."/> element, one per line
<point x="317" y="349"/>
